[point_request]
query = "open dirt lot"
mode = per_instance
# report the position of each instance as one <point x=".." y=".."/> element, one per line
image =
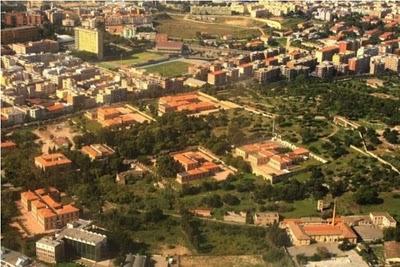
<point x="177" y="250"/>
<point x="50" y="134"/>
<point x="178" y="27"/>
<point x="222" y="261"/>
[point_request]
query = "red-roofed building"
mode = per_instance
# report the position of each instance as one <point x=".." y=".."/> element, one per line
<point x="386" y="36"/>
<point x="8" y="146"/>
<point x="196" y="165"/>
<point x="52" y="161"/>
<point x="217" y="78"/>
<point x="44" y="207"/>
<point x="166" y="46"/>
<point x="326" y="53"/>
<point x="303" y="232"/>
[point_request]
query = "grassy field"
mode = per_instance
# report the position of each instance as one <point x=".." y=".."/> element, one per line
<point x="302" y="208"/>
<point x="169" y="69"/>
<point x="180" y="28"/>
<point x="133" y="59"/>
<point x="346" y="205"/>
<point x="290" y="23"/>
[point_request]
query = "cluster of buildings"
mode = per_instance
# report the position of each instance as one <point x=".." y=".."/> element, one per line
<point x="233" y="69"/>
<point x="139" y="79"/>
<point x="337" y="57"/>
<point x="23" y="18"/>
<point x="350" y="57"/>
<point x="259" y="218"/>
<point x="39" y="86"/>
<point x="264" y="66"/>
<point x="189" y="102"/>
<point x="120" y="116"/>
<point x="268" y="160"/>
<point x="254" y="9"/>
<point x="199" y="164"/>
<point x="354" y="228"/>
<point x="328" y="12"/>
<point x="44" y="208"/>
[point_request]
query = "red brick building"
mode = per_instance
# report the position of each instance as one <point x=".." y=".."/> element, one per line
<point x="19" y="34"/>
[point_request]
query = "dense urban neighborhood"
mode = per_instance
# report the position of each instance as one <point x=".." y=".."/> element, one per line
<point x="200" y="133"/>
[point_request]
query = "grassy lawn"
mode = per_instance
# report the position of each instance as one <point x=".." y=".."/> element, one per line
<point x="138" y="58"/>
<point x="346" y="205"/>
<point x="180" y="28"/>
<point x="282" y="41"/>
<point x="303" y="208"/>
<point x="291" y="22"/>
<point x="166" y="232"/>
<point x="169" y="69"/>
<point x="233" y="239"/>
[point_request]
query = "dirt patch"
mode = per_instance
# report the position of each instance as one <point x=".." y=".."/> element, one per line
<point x="222" y="261"/>
<point x="239" y="22"/>
<point x="55" y="135"/>
<point x="173" y="251"/>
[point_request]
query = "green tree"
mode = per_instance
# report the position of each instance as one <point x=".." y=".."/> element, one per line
<point x="366" y="195"/>
<point x="392" y="234"/>
<point x="167" y="167"/>
<point x="230" y="199"/>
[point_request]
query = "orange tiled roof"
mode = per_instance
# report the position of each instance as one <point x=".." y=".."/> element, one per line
<point x="297" y="231"/>
<point x="38" y="204"/>
<point x="329" y="48"/>
<point x="55" y="159"/>
<point x="209" y="165"/>
<point x="7" y="144"/>
<point x="280" y="159"/>
<point x="56" y="107"/>
<point x="183" y="159"/>
<point x="107" y="111"/>
<point x="29" y="195"/>
<point x="50" y="202"/>
<point x="46" y="213"/>
<point x="218" y="72"/>
<point x="197" y="171"/>
<point x="67" y="209"/>
<point x="321" y="229"/>
<point x="300" y="151"/>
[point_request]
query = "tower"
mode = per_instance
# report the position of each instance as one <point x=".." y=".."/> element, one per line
<point x="334" y="212"/>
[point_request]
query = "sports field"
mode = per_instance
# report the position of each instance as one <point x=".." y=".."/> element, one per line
<point x="169" y="69"/>
<point x="138" y="58"/>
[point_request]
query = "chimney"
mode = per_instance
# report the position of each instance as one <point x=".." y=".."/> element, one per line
<point x="334" y="212"/>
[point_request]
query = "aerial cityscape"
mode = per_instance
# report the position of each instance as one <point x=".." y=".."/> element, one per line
<point x="140" y="133"/>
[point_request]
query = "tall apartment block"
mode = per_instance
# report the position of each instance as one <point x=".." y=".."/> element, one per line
<point x="89" y="40"/>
